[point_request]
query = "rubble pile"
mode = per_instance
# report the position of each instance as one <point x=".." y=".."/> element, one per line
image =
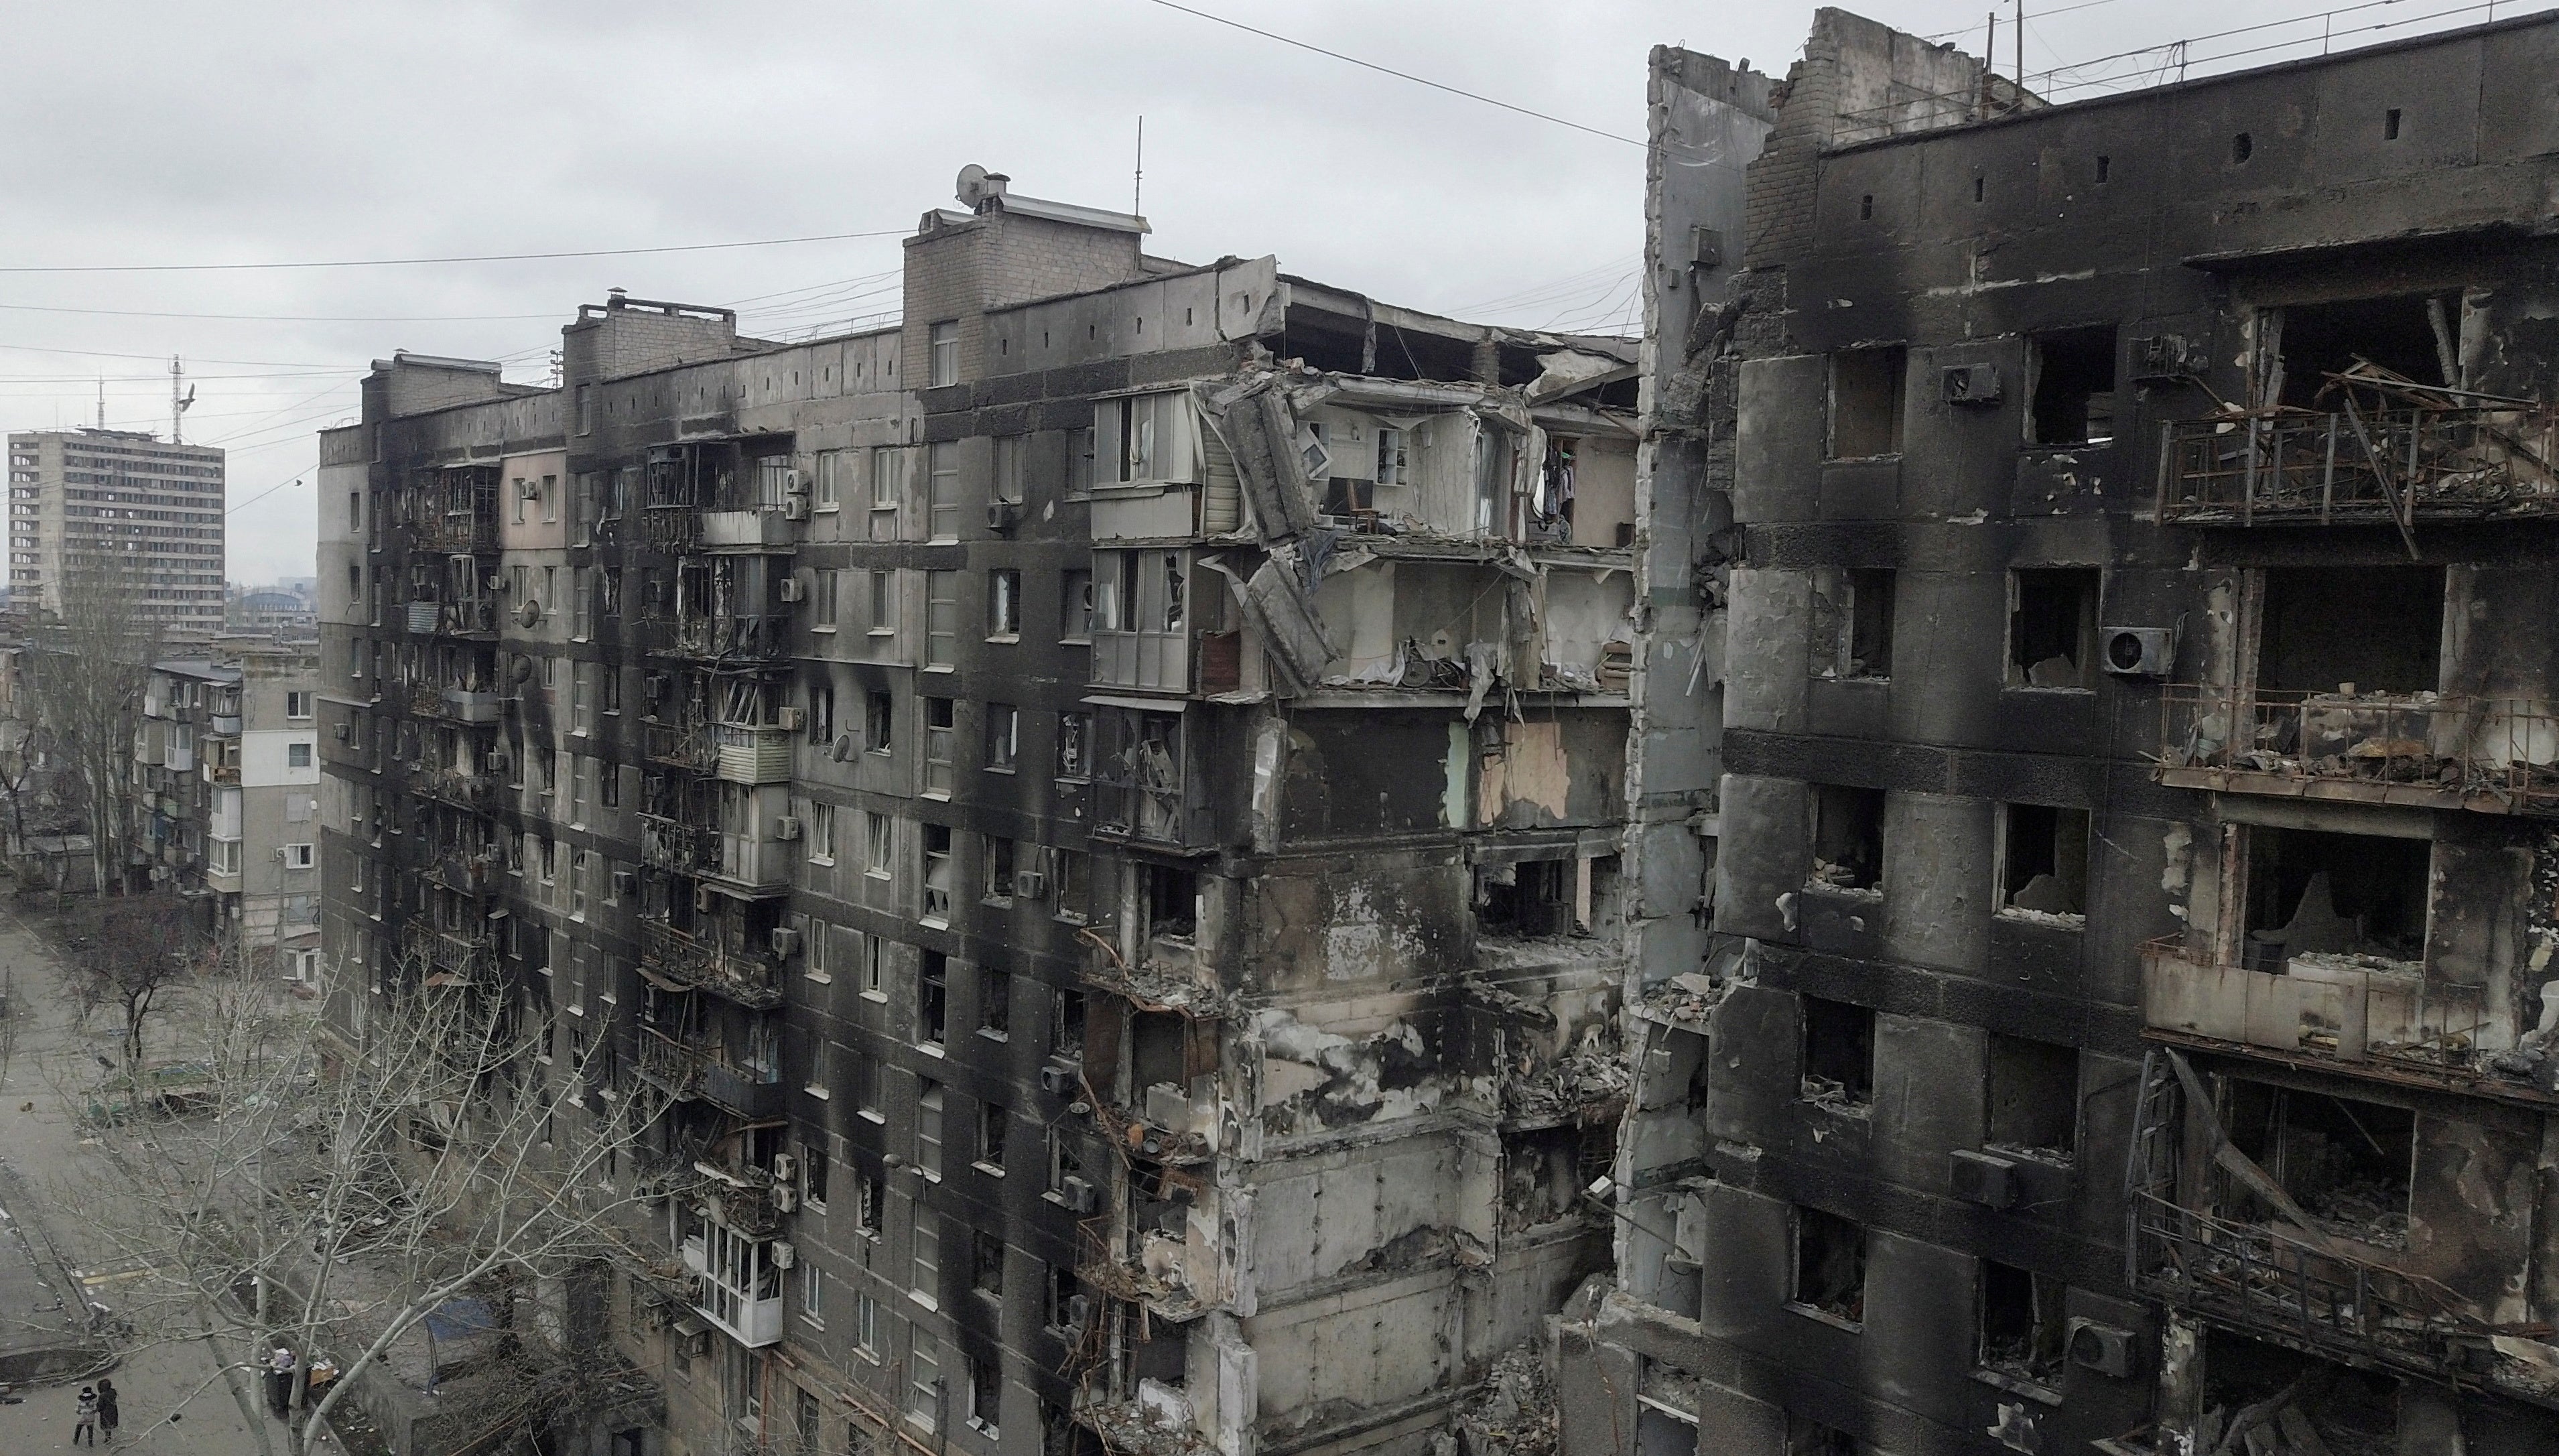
<point x="1513" y="1412"/>
<point x="1688" y="998"/>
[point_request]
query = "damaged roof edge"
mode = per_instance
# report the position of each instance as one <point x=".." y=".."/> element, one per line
<point x="1308" y="293"/>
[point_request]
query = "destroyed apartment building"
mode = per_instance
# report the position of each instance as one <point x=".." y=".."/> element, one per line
<point x="1097" y="810"/>
<point x="2099" y="806"/>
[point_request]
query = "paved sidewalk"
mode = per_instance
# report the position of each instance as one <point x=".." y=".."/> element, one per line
<point x="40" y="1147"/>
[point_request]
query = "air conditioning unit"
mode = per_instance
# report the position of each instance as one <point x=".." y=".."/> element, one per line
<point x="626" y="882"/>
<point x="531" y="488"/>
<point x="786" y="1197"/>
<point x="786" y="828"/>
<point x="794" y="483"/>
<point x="795" y="507"/>
<point x="1079" y="1310"/>
<point x="1057" y="1081"/>
<point x="788" y="720"/>
<point x="1079" y="1196"/>
<point x="794" y="589"/>
<point x="1983" y="1179"/>
<point x="705" y="900"/>
<point x="346" y="732"/>
<point x="698" y="1343"/>
<point x="2138" y="652"/>
<point x="1030" y="884"/>
<point x="2105" y="1349"/>
<point x="1001" y="514"/>
<point x="1977" y="384"/>
<point x="786" y="942"/>
<point x="2163" y="356"/>
<point x="786" y="1168"/>
<point x="844" y="748"/>
<point x="497" y="584"/>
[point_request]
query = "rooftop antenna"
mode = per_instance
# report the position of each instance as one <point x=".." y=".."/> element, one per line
<point x="2018" y="43"/>
<point x="1138" y="194"/>
<point x="102" y="401"/>
<point x="178" y="405"/>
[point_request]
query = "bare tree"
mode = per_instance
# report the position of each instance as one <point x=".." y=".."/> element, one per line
<point x="85" y="673"/>
<point x="342" y="1195"/>
<point x="127" y="953"/>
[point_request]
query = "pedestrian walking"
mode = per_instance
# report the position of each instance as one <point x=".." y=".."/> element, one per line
<point x="88" y="1422"/>
<point x="107" y="1415"/>
<point x="279" y="1383"/>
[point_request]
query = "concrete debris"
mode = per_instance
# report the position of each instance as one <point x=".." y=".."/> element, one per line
<point x="1513" y="1413"/>
<point x="1690" y="997"/>
<point x="1832" y="1097"/>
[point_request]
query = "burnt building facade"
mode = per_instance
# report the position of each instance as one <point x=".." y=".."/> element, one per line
<point x="2114" y="1011"/>
<point x="1096" y="813"/>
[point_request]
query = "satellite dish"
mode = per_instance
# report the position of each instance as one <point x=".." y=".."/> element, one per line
<point x="973" y="184"/>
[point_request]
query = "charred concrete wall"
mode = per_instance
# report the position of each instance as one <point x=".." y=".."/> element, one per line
<point x="1989" y="369"/>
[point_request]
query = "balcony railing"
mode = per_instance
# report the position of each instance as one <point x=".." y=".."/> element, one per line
<point x="670" y="1067"/>
<point x="745" y="530"/>
<point x="730" y="636"/>
<point x="460" y="789"/>
<point x="463" y="953"/>
<point x="749" y="978"/>
<point x="2354" y="1014"/>
<point x="2312" y="1295"/>
<point x="461" y="705"/>
<point x="1102" y="1267"/>
<point x="464" y="874"/>
<point x="476" y="617"/>
<point x="458" y="531"/>
<point x="2496" y="754"/>
<point x="671" y="844"/>
<point x="738" y="753"/>
<point x="685" y="746"/>
<point x="2302" y="467"/>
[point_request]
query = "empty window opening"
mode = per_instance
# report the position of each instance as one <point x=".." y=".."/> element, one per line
<point x="2073" y="374"/>
<point x="1660" y="1432"/>
<point x="1977" y="189"/>
<point x="2043" y="859"/>
<point x="1535" y="897"/>
<point x="2300" y="345"/>
<point x="1853" y="623"/>
<point x="2105" y="167"/>
<point x="1866" y="402"/>
<point x="1545" y="1170"/>
<point x="1158" y="1047"/>
<point x="1173" y="900"/>
<point x="1848" y="838"/>
<point x="2316" y="894"/>
<point x="1830" y="1264"/>
<point x="2242" y="147"/>
<point x="2022" y="1330"/>
<point x="2391" y="125"/>
<point x="1865" y="208"/>
<point x="1839" y="1053"/>
<point x="2344" y="1160"/>
<point x="2318" y="1405"/>
<point x="2052" y="627"/>
<point x="1806" y="1436"/>
<point x="2350" y="630"/>
<point x="2033" y="1091"/>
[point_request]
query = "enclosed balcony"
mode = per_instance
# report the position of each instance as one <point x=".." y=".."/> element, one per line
<point x="746" y="530"/>
<point x="451" y="786"/>
<point x="739" y="1284"/>
<point x="2424" y="750"/>
<point x="462" y="954"/>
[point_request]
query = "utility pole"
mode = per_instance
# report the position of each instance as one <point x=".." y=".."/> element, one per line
<point x="1138" y="194"/>
<point x="2019" y="43"/>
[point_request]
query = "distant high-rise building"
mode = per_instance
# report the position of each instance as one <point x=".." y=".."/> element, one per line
<point x="77" y="496"/>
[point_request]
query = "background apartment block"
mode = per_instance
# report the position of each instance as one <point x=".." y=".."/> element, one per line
<point x="226" y="790"/>
<point x="1107" y="849"/>
<point x="2125" y="1022"/>
<point x="155" y="509"/>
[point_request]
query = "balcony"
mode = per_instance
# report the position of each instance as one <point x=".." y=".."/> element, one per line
<point x="424" y="617"/>
<point x="670" y="1067"/>
<point x="749" y="978"/>
<point x="224" y="725"/>
<point x="671" y="844"/>
<point x="731" y="637"/>
<point x="737" y="753"/>
<point x="2351" y="1014"/>
<point x="464" y="874"/>
<point x="477" y="791"/>
<point x="744" y="530"/>
<point x="744" y="862"/>
<point x="476" y="617"/>
<point x="2292" y="466"/>
<point x="1150" y="1276"/>
<point x="1151" y="661"/>
<point x="683" y="746"/>
<point x="465" y="706"/>
<point x="462" y="954"/>
<point x="745" y="1092"/>
<point x="2316" y="1296"/>
<point x="459" y="532"/>
<point x="224" y="773"/>
<point x="2491" y="755"/>
<point x="739" y="1288"/>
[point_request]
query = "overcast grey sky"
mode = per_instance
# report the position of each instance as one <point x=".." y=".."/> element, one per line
<point x="249" y="132"/>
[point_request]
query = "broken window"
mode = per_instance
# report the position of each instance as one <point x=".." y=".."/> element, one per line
<point x="2346" y="1161"/>
<point x="1848" y="838"/>
<point x="1839" y="1051"/>
<point x="2351" y="630"/>
<point x="1830" y="1264"/>
<point x="1866" y="401"/>
<point x="932" y="999"/>
<point x="987" y="1264"/>
<point x="1806" y="1436"/>
<point x="1157" y="1045"/>
<point x="938" y="875"/>
<point x="2022" y="1327"/>
<point x="2314" y="893"/>
<point x="2301" y="1403"/>
<point x="1525" y="899"/>
<point x="2300" y="344"/>
<point x="1853" y="623"/>
<point x="2043" y="859"/>
<point x="2052" y="627"/>
<point x="1173" y="900"/>
<point x="2073" y="376"/>
<point x="2032" y="1091"/>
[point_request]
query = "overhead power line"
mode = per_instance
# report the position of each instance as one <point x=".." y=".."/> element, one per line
<point x="1420" y="80"/>
<point x="591" y="252"/>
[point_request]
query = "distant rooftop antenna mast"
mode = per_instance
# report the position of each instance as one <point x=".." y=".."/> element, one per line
<point x="102" y="401"/>
<point x="177" y="404"/>
<point x="1138" y="194"/>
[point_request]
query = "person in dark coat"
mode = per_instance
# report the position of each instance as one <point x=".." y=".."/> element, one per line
<point x="107" y="1413"/>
